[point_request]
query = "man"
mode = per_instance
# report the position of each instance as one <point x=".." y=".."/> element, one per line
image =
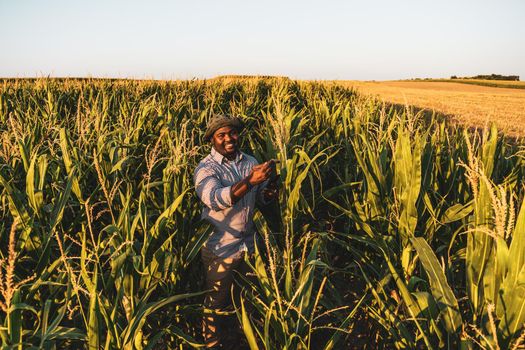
<point x="229" y="183"/>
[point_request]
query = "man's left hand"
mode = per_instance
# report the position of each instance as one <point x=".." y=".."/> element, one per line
<point x="271" y="191"/>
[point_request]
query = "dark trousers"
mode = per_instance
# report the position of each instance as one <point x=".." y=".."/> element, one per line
<point x="220" y="273"/>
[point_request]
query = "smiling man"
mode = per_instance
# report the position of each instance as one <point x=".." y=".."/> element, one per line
<point x="229" y="183"/>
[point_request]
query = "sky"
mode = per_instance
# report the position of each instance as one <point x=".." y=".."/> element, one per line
<point x="328" y="39"/>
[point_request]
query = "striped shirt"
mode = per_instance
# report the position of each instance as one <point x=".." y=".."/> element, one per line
<point x="234" y="230"/>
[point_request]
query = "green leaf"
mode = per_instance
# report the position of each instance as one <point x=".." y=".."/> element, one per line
<point x="407" y="180"/>
<point x="137" y="321"/>
<point x="517" y="246"/>
<point x="247" y="328"/>
<point x="513" y="306"/>
<point x="64" y="146"/>
<point x="14" y="317"/>
<point x="93" y="331"/>
<point x="440" y="289"/>
<point x="159" y="224"/>
<point x="457" y="212"/>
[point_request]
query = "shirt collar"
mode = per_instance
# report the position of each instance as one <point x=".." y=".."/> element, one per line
<point x="219" y="158"/>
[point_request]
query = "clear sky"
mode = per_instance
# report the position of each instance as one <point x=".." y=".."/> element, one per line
<point x="328" y="39"/>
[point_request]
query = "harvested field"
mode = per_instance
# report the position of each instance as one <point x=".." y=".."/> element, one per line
<point x="513" y="84"/>
<point x="471" y="105"/>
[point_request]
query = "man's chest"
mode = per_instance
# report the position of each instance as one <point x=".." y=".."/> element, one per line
<point x="231" y="173"/>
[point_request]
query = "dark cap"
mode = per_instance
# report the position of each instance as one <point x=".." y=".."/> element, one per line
<point x="218" y="121"/>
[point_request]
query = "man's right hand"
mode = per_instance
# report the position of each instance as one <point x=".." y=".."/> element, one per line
<point x="258" y="174"/>
<point x="261" y="172"/>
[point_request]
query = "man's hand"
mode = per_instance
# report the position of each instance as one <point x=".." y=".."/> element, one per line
<point x="258" y="175"/>
<point x="262" y="172"/>
<point x="271" y="191"/>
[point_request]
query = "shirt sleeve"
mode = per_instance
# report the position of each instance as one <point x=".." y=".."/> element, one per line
<point x="210" y="190"/>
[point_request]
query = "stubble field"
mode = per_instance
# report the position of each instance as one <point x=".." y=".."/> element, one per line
<point x="467" y="104"/>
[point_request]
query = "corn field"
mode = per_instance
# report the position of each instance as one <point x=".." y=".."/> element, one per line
<point x="393" y="230"/>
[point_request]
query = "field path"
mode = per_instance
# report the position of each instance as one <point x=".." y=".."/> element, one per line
<point x="471" y="105"/>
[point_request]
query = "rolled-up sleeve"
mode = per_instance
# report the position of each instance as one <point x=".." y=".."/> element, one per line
<point x="210" y="190"/>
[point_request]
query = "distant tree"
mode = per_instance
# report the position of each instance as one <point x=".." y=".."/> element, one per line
<point x="490" y="77"/>
<point x="497" y="77"/>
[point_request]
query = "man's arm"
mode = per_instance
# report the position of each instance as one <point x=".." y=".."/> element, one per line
<point x="258" y="175"/>
<point x="210" y="190"/>
<point x="214" y="196"/>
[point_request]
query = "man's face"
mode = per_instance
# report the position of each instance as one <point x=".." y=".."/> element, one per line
<point x="225" y="141"/>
